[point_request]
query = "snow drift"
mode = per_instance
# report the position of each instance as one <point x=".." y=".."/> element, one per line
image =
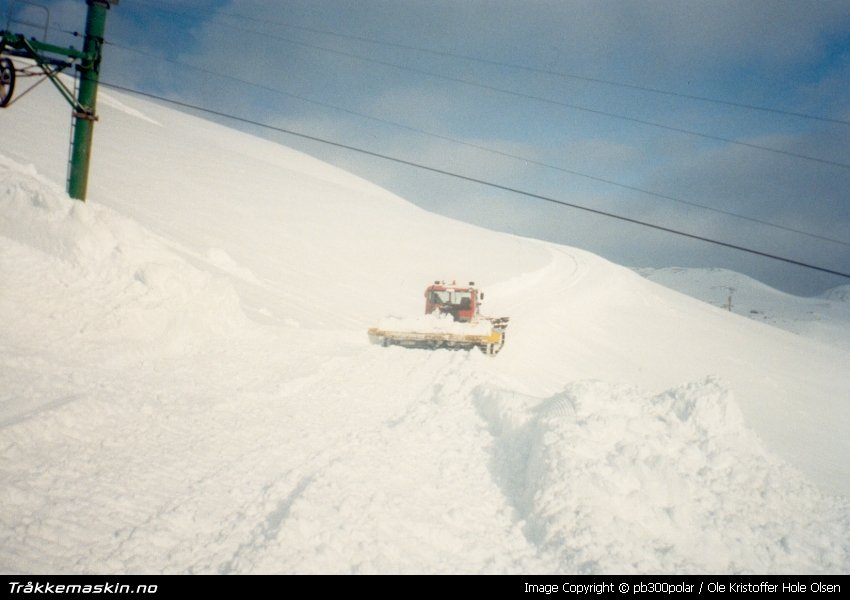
<point x="611" y="479"/>
<point x="186" y="384"/>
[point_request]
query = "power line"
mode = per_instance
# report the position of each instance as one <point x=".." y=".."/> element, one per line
<point x="564" y="75"/>
<point x="572" y="106"/>
<point x="490" y="150"/>
<point x="526" y="96"/>
<point x="530" y="69"/>
<point x="480" y="181"/>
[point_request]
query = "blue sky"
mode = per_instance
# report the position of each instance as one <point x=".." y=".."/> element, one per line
<point x="561" y="99"/>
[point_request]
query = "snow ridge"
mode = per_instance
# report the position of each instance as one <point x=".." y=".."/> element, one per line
<point x="99" y="276"/>
<point x="610" y="479"/>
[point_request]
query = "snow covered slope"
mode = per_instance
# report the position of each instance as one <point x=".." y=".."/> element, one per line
<point x="186" y="383"/>
<point x="825" y="317"/>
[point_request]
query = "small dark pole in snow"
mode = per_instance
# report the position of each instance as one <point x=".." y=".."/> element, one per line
<point x="731" y="290"/>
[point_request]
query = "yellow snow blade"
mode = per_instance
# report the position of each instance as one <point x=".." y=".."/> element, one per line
<point x="489" y="343"/>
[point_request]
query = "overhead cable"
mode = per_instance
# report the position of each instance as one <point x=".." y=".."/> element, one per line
<point x="527" y="160"/>
<point x="530" y="69"/>
<point x="479" y="181"/>
<point x="550" y="101"/>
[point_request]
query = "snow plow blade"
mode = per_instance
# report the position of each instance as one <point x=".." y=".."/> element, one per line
<point x="452" y="320"/>
<point x="489" y="344"/>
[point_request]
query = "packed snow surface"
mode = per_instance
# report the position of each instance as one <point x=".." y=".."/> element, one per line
<point x="186" y="383"/>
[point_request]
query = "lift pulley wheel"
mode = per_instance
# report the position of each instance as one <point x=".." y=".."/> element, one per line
<point x="7" y="81"/>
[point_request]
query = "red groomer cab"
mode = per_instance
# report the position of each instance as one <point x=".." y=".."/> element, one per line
<point x="459" y="301"/>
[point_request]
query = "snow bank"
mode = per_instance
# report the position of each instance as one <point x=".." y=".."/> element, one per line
<point x="610" y="479"/>
<point x="83" y="272"/>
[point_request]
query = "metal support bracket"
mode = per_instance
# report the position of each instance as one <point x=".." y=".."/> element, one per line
<point x="83" y="103"/>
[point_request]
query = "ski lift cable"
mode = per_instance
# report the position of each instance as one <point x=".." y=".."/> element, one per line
<point x="527" y="96"/>
<point x="483" y="182"/>
<point x="531" y="69"/>
<point x="494" y="151"/>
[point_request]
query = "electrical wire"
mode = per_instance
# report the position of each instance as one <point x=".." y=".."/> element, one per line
<point x="532" y="97"/>
<point x="483" y="182"/>
<point x="530" y="69"/>
<point x="486" y="149"/>
<point x="74" y="33"/>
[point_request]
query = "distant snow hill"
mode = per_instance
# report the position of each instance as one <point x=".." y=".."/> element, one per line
<point x="825" y="318"/>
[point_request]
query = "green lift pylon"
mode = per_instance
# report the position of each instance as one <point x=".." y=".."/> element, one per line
<point x="78" y="175"/>
<point x="84" y="105"/>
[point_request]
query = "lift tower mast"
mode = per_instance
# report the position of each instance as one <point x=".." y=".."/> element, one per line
<point x="85" y="116"/>
<point x="88" y="67"/>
